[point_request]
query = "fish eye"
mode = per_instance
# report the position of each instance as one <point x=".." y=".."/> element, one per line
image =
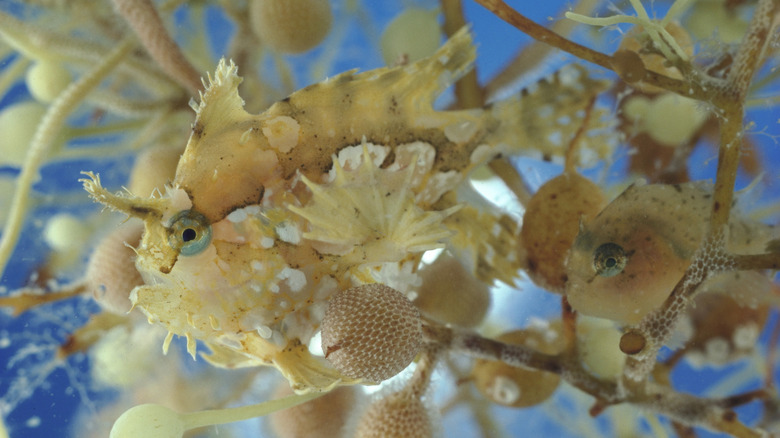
<point x="609" y="260"/>
<point x="190" y="233"/>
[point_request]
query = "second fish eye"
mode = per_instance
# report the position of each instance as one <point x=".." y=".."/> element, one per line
<point x="609" y="259"/>
<point x="190" y="233"/>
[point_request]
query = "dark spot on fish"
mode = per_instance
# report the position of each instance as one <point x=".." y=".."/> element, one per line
<point x="167" y="269"/>
<point x="197" y="130"/>
<point x="144" y="211"/>
<point x="389" y="160"/>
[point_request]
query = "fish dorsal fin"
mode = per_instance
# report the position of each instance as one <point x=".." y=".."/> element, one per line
<point x="220" y="102"/>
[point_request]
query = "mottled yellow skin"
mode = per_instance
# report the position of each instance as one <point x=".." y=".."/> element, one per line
<point x="343" y="183"/>
<point x="337" y="185"/>
<point x="659" y="227"/>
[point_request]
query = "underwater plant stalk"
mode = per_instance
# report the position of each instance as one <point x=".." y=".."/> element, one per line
<point x="44" y="138"/>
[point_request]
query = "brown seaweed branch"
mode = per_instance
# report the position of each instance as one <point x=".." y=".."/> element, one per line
<point x="715" y="413"/>
<point x="540" y="33"/>
<point x="728" y="98"/>
<point x="142" y="16"/>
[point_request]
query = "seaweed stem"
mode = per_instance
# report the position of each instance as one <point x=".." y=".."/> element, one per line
<point x="142" y="16"/>
<point x="468" y="92"/>
<point x="531" y="56"/>
<point x="684" y="408"/>
<point x="729" y="99"/>
<point x="502" y="10"/>
<point x="44" y="137"/>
